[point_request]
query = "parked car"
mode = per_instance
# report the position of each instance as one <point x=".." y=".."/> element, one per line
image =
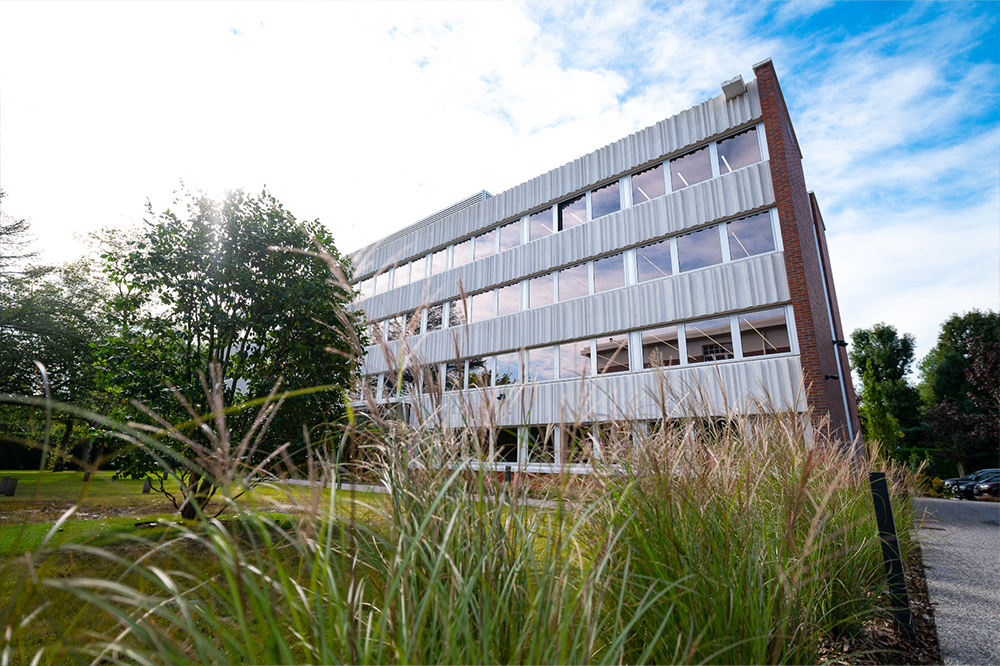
<point x="987" y="488"/>
<point x="967" y="490"/>
<point x="951" y="485"/>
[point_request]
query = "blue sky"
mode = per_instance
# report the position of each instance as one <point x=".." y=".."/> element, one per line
<point x="371" y="116"/>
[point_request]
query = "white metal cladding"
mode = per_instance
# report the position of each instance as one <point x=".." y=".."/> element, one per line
<point x="747" y="284"/>
<point x="768" y="385"/>
<point x="727" y="196"/>
<point x="701" y="123"/>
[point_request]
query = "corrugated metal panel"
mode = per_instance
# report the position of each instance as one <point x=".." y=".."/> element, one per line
<point x="751" y="283"/>
<point x="720" y="198"/>
<point x="702" y="390"/>
<point x="668" y="137"/>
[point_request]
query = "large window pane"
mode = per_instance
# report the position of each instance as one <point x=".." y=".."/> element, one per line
<point x="764" y="333"/>
<point x="574" y="359"/>
<point x="573" y="282"/>
<point x="541" y="364"/>
<point x="486" y="244"/>
<point x="439" y="262"/>
<point x="435" y="317"/>
<point x="541" y="444"/>
<point x="605" y="200"/>
<point x="461" y="253"/>
<point x="458" y="314"/>
<point x="480" y="372"/>
<point x="510" y="235"/>
<point x="396" y="327"/>
<point x="654" y="261"/>
<point x="401" y="276"/>
<point x="609" y="273"/>
<point x="508" y="369"/>
<point x="573" y="212"/>
<point x="481" y="306"/>
<point x="739" y="151"/>
<point x="612" y="354"/>
<point x="382" y="283"/>
<point x="648" y="184"/>
<point x="700" y="249"/>
<point x="366" y="287"/>
<point x="540" y="224"/>
<point x="540" y="291"/>
<point x="508" y="299"/>
<point x="659" y="347"/>
<point x="453" y="377"/>
<point x="709" y="341"/>
<point x="431" y="379"/>
<point x="690" y="169"/>
<point x="749" y="236"/>
<point x="418" y="269"/>
<point x="506" y="445"/>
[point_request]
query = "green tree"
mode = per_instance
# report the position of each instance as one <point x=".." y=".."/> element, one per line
<point x="218" y="287"/>
<point x="879" y="424"/>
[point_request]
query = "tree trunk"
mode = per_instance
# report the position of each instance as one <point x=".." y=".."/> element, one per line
<point x="197" y="497"/>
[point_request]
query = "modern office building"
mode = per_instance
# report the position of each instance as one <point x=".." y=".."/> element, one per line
<point x="682" y="270"/>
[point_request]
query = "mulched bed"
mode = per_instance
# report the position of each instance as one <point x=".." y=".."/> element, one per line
<point x="879" y="643"/>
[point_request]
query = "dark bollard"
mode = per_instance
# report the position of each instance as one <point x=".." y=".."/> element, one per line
<point x="11" y="486"/>
<point x="891" y="555"/>
<point x="166" y="475"/>
<point x="86" y="476"/>
<point x="506" y="474"/>
<point x="146" y="485"/>
<point x="3" y="484"/>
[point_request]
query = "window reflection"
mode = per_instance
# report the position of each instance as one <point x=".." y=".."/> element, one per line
<point x="508" y="299"/>
<point x="401" y="276"/>
<point x="486" y="244"/>
<point x="648" y="184"/>
<point x="709" y="341"/>
<point x="749" y="236"/>
<point x="435" y="317"/>
<point x="612" y="354"/>
<point x="605" y="200"/>
<point x="461" y="254"/>
<point x="508" y="368"/>
<point x="540" y="291"/>
<point x="690" y="169"/>
<point x="700" y="249"/>
<point x="764" y="333"/>
<point x="574" y="359"/>
<point x="573" y="282"/>
<point x="654" y="261"/>
<point x="452" y="377"/>
<point x="510" y="235"/>
<point x="541" y="444"/>
<point x="480" y="372"/>
<point x="418" y="269"/>
<point x="395" y="328"/>
<point x="573" y="212"/>
<point x="738" y="151"/>
<point x="481" y="306"/>
<point x="431" y="379"/>
<point x="439" y="262"/>
<point x="541" y="364"/>
<point x="659" y="347"/>
<point x="540" y="224"/>
<point x="382" y="283"/>
<point x="609" y="273"/>
<point x="458" y="313"/>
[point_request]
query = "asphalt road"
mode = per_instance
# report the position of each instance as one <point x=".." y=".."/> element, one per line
<point x="961" y="546"/>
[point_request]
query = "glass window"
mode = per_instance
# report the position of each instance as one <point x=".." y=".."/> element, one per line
<point x="453" y="377"/>
<point x="648" y="184"/>
<point x="366" y="288"/>
<point x="506" y="445"/>
<point x="612" y="354"/>
<point x="654" y="261"/>
<point x="435" y="317"/>
<point x="690" y="169"/>
<point x="480" y="372"/>
<point x="486" y="244"/>
<point x="458" y="313"/>
<point x="540" y="291"/>
<point x="573" y="282"/>
<point x="418" y="269"/>
<point x="382" y="283"/>
<point x="401" y="276"/>
<point x="749" y="236"/>
<point x="461" y="254"/>
<point x="573" y="212"/>
<point x="576" y="446"/>
<point x="700" y="249"/>
<point x="609" y="273"/>
<point x="574" y="359"/>
<point x="389" y="385"/>
<point x="508" y="299"/>
<point x="439" y="262"/>
<point x="540" y="224"/>
<point x="709" y="341"/>
<point x="413" y="323"/>
<point x="481" y="306"/>
<point x="508" y="368"/>
<point x="374" y="332"/>
<point x="659" y="347"/>
<point x="396" y="327"/>
<point x="431" y="380"/>
<point x="541" y="444"/>
<point x="739" y="151"/>
<point x="605" y="200"/>
<point x="764" y="333"/>
<point x="510" y="235"/>
<point x="541" y="364"/>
